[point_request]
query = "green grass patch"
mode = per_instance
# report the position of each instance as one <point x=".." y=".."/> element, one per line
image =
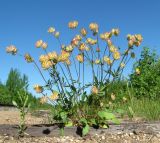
<point x="145" y="108"/>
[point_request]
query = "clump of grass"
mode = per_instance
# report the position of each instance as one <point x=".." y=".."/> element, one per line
<point x="144" y="107"/>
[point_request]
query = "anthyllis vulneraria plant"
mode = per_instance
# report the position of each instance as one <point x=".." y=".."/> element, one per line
<point x="78" y="67"/>
<point x="23" y="106"/>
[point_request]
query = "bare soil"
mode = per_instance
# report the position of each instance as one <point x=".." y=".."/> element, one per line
<point x="39" y="132"/>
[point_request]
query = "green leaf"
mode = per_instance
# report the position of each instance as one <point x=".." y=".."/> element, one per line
<point x="14" y="103"/>
<point x="116" y="121"/>
<point x="69" y="124"/>
<point x="83" y="121"/>
<point x="63" y="116"/>
<point x="26" y="100"/>
<point x="93" y="122"/>
<point x="104" y="126"/>
<point x="85" y="130"/>
<point x="106" y="115"/>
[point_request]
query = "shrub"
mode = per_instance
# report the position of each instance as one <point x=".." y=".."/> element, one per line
<point x="145" y="78"/>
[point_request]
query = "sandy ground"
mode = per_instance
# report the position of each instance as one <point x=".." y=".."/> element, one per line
<point x="12" y="117"/>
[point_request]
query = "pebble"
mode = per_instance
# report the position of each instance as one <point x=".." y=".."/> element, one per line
<point x="97" y="138"/>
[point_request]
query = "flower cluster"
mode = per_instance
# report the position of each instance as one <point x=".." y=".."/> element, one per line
<point x="134" y="40"/>
<point x="53" y="31"/>
<point x="94" y="27"/>
<point x="73" y="24"/>
<point x="11" y="49"/>
<point x="41" y="44"/>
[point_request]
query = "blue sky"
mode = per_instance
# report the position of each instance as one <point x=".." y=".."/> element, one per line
<point x="22" y="22"/>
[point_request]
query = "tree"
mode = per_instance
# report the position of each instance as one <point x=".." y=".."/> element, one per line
<point x="146" y="82"/>
<point x="16" y="82"/>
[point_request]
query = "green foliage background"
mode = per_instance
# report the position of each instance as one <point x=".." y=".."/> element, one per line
<point x="147" y="84"/>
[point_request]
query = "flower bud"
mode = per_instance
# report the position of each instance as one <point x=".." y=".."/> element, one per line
<point x="39" y="43"/>
<point x="51" y="30"/>
<point x="56" y="34"/>
<point x="38" y="88"/>
<point x="28" y="58"/>
<point x="83" y="32"/>
<point x="80" y="58"/>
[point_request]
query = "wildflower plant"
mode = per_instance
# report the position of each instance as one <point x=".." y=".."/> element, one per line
<point x="23" y="106"/>
<point x="69" y="88"/>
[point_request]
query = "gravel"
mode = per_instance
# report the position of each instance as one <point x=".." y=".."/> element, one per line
<point x="102" y="138"/>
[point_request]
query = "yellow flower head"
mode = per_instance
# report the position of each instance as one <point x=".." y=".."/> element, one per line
<point x="122" y="65"/>
<point x="74" y="42"/>
<point x="28" y="58"/>
<point x="38" y="88"/>
<point x="138" y="71"/>
<point x="115" y="32"/>
<point x="39" y="43"/>
<point x="129" y="37"/>
<point x="82" y="47"/>
<point x="69" y="48"/>
<point x="105" y="36"/>
<point x="130" y="43"/>
<point x="43" y="58"/>
<point x="78" y="37"/>
<point x="63" y="56"/>
<point x="94" y="90"/>
<point x="91" y="41"/>
<point x="53" y="56"/>
<point x="139" y="37"/>
<point x="137" y="43"/>
<point x="43" y="99"/>
<point x="134" y="40"/>
<point x="44" y="45"/>
<point x="113" y="49"/>
<point x="54" y="95"/>
<point x="93" y="27"/>
<point x="107" y="60"/>
<point x="80" y="58"/>
<point x="83" y="32"/>
<point x="73" y="24"/>
<point x="109" y="42"/>
<point x="51" y="30"/>
<point x="116" y="55"/>
<point x="97" y="61"/>
<point x="11" y="49"/>
<point x="47" y="64"/>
